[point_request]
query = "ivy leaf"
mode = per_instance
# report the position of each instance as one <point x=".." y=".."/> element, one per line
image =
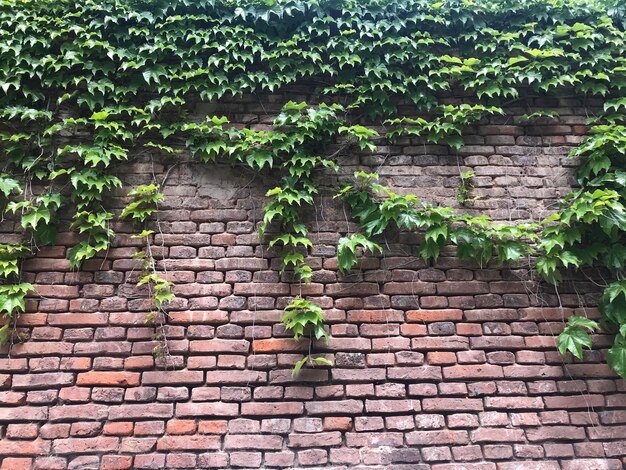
<point x="510" y="251"/>
<point x="12" y="298"/>
<point x="99" y="116"/>
<point x="582" y="322"/>
<point x="347" y="247"/>
<point x="322" y="361"/>
<point x="435" y="232"/>
<point x="32" y="218"/>
<point x="573" y="340"/>
<point x="46" y="235"/>
<point x="430" y="250"/>
<point x="568" y="258"/>
<point x="9" y="186"/>
<point x="616" y="356"/>
<point x="298" y="365"/>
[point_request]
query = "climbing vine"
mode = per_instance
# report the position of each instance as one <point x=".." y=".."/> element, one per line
<point x="87" y="86"/>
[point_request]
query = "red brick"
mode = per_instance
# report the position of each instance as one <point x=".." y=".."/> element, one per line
<point x="391" y="406"/>
<point x="116" y="462"/>
<point x="533" y="372"/>
<point x="514" y="403"/>
<point x="585" y="401"/>
<point x="415" y="373"/>
<point x="36" y="447"/>
<point x="452" y="404"/>
<point x="375" y="316"/>
<point x="469" y="329"/>
<point x="174" y="443"/>
<point x="24" y="413"/>
<point x="215" y="317"/>
<point x="607" y="432"/>
<point x="337" y="423"/>
<point x="246" y="459"/>
<point x="441" y="358"/>
<point x="118" y="429"/>
<point x="497" y="435"/>
<point x="235" y="377"/>
<point x="78" y="319"/>
<point x="212" y="427"/>
<point x="56" y="291"/>
<point x="16" y="463"/>
<point x="50" y="463"/>
<point x="22" y="431"/>
<point x="589" y="370"/>
<point x="424" y="438"/>
<point x="219" y="345"/>
<point x="271" y="409"/>
<point x="13" y="365"/>
<point x="549" y="433"/>
<point x="89" y="445"/>
<point x="128" y="411"/>
<point x="250" y="441"/>
<point x="530" y="465"/>
<point x="172" y="377"/>
<point x="321" y="439"/>
<point x="185" y="410"/>
<point x="450" y="343"/>
<point x="478" y="371"/>
<point x="278" y="345"/>
<point x="181" y="426"/>
<point x="42" y="381"/>
<point x="150" y="461"/>
<point x="181" y="460"/>
<point x="588" y="464"/>
<point x="434" y="315"/>
<point x="358" y="289"/>
<point x="545" y="313"/>
<point x="112" y="379"/>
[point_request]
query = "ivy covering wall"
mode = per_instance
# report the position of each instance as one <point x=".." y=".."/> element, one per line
<point x="85" y="86"/>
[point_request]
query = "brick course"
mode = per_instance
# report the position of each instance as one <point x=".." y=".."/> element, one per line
<point x="438" y="366"/>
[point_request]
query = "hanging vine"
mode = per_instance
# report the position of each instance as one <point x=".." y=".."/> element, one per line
<point x="84" y="87"/>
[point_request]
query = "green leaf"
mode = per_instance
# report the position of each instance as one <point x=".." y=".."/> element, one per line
<point x="12" y="298"/>
<point x="100" y="116"/>
<point x="9" y="186"/>
<point x="322" y="361"/>
<point x="298" y="365"/>
<point x="347" y="248"/>
<point x="435" y="232"/>
<point x="582" y="322"/>
<point x="616" y="356"/>
<point x="574" y="337"/>
<point x="573" y="340"/>
<point x="511" y="251"/>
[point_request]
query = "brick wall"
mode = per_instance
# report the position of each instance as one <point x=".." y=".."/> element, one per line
<point x="437" y="366"/>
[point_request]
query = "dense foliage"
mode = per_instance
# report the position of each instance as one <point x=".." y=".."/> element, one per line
<point x="86" y="85"/>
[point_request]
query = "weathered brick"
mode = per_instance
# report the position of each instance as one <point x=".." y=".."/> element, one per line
<point x="42" y="381"/>
<point x="24" y="413"/>
<point x="176" y="443"/>
<point x="424" y="438"/>
<point x="119" y="379"/>
<point x="87" y="445"/>
<point x="248" y="441"/>
<point x="182" y="377"/>
<point x="206" y="409"/>
<point x="480" y="371"/>
<point x="497" y="435"/>
<point x="546" y="433"/>
<point x="452" y="404"/>
<point x="129" y="411"/>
